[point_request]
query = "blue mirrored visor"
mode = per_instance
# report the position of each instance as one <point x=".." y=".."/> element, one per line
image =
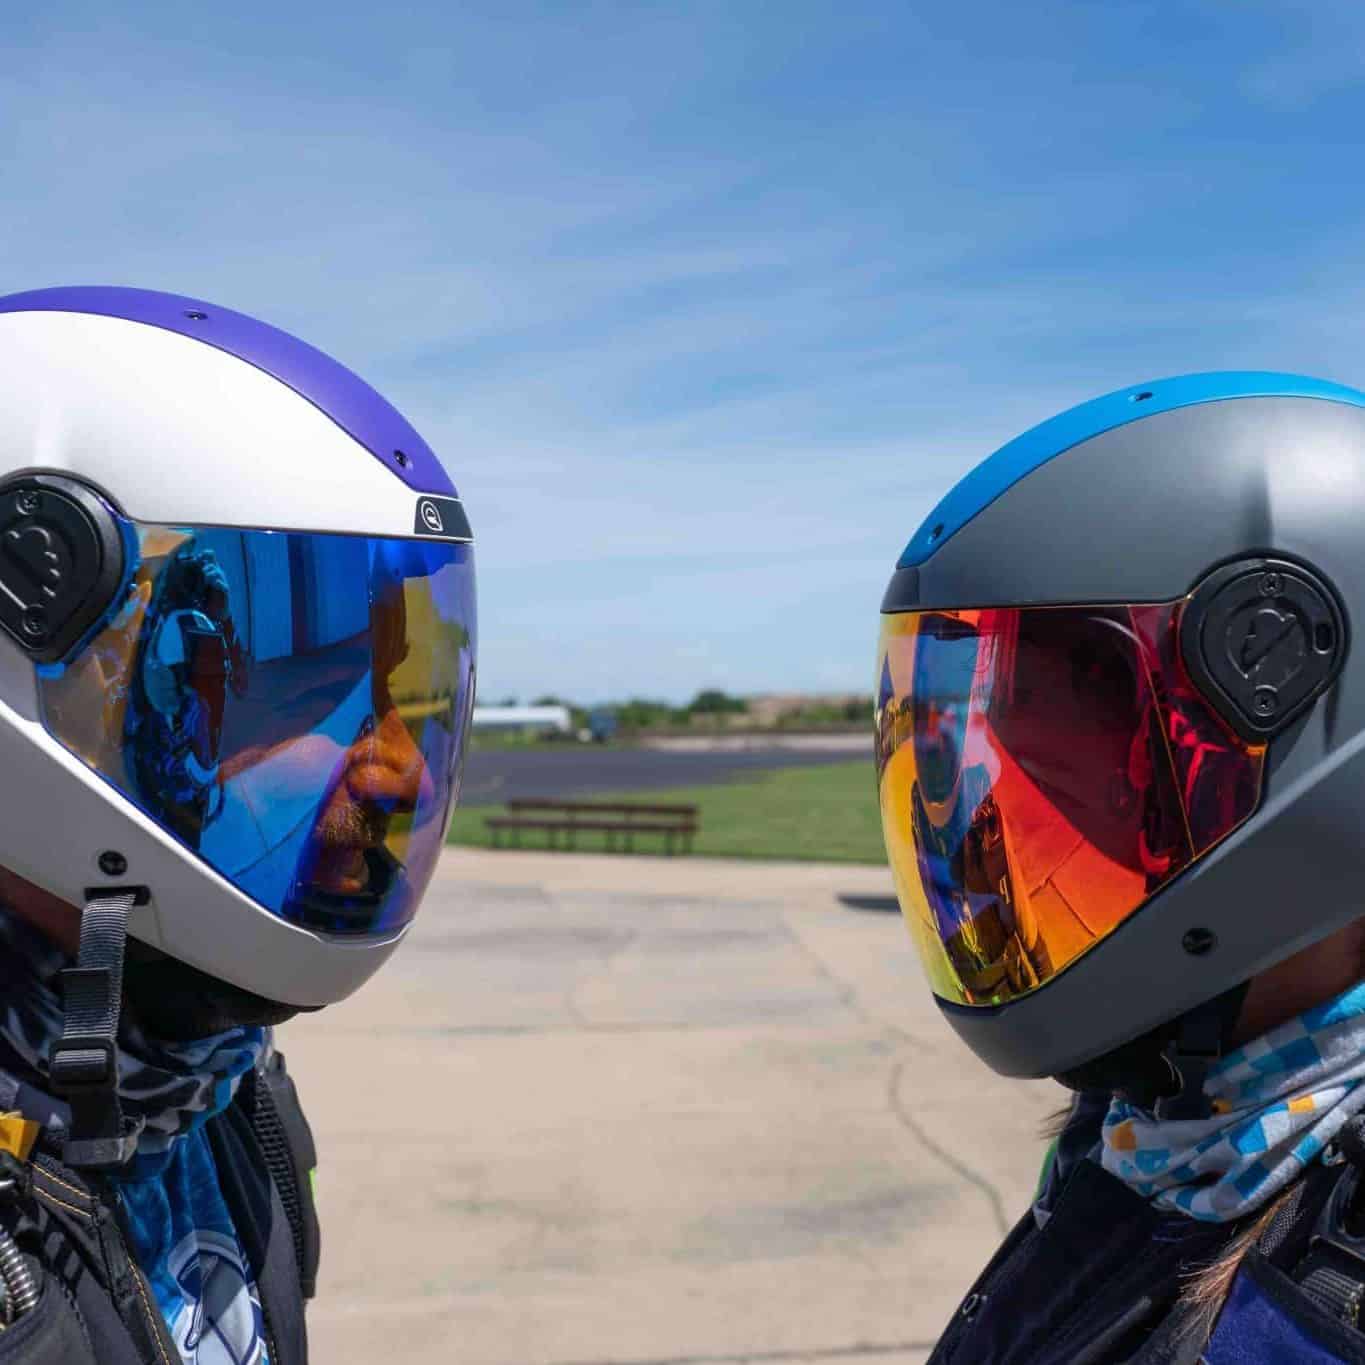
<point x="292" y="706"/>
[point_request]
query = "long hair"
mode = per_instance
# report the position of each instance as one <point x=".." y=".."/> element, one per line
<point x="1207" y="1288"/>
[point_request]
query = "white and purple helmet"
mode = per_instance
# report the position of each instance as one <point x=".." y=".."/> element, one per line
<point x="237" y="637"/>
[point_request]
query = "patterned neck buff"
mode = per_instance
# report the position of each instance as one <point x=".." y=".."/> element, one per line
<point x="179" y="1226"/>
<point x="1278" y="1101"/>
<point x="173" y="1087"/>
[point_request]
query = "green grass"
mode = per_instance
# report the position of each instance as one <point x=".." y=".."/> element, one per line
<point x="826" y="813"/>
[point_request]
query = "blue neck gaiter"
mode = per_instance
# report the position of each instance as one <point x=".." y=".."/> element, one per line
<point x="177" y="1220"/>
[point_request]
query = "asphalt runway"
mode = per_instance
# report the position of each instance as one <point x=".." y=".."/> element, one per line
<point x="496" y="775"/>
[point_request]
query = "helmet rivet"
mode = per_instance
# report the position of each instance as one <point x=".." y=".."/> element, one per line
<point x="34" y="623"/>
<point x="195" y="315"/>
<point x="113" y="864"/>
<point x="1266" y="702"/>
<point x="935" y="533"/>
<point x="1197" y="942"/>
<point x="403" y="459"/>
<point x="28" y="502"/>
<point x="1271" y="583"/>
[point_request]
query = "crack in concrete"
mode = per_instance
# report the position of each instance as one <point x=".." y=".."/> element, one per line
<point x="973" y="1178"/>
<point x="848" y="992"/>
<point x="568" y="1029"/>
<point x="603" y="968"/>
<point x="850" y="998"/>
<point x="860" y="1349"/>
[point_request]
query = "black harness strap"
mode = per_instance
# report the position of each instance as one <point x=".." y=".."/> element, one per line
<point x="1336" y="1288"/>
<point x="1327" y="1256"/>
<point x="286" y="1143"/>
<point x="265" y="1120"/>
<point x="84" y="1063"/>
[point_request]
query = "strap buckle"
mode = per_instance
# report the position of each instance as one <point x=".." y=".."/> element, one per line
<point x="1191" y="1055"/>
<point x="104" y="1153"/>
<point x="83" y="1062"/>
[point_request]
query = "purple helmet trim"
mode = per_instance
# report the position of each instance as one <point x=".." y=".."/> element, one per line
<point x="347" y="399"/>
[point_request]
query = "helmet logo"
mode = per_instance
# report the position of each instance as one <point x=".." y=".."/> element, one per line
<point x="444" y="517"/>
<point x="1264" y="638"/>
<point x="431" y="517"/>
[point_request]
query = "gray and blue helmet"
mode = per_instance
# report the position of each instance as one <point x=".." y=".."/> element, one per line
<point x="1120" y="720"/>
<point x="237" y="637"/>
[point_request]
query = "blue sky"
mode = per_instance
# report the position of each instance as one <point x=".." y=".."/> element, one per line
<point x="704" y="305"/>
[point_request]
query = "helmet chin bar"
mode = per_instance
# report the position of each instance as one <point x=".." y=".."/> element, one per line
<point x="84" y="1063"/>
<point x="1163" y="1071"/>
<point x="174" y="1002"/>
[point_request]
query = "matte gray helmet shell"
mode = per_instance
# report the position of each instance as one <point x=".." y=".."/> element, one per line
<point x="1139" y="497"/>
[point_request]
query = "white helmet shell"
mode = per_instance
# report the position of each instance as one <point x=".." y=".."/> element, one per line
<point x="183" y="415"/>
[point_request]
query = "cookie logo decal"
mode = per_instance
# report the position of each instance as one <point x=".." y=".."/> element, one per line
<point x="431" y="517"/>
<point x="443" y="517"/>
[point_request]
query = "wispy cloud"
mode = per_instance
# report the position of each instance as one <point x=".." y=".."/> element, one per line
<point x="706" y="305"/>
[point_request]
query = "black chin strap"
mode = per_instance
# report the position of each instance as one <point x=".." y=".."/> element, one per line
<point x="1200" y="1036"/>
<point x="84" y="1063"/>
<point x="1164" y="1071"/>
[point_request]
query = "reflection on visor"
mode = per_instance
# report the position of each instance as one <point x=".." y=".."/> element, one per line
<point x="1043" y="772"/>
<point x="293" y="707"/>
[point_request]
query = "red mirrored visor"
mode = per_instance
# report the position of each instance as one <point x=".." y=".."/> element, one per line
<point x="1042" y="772"/>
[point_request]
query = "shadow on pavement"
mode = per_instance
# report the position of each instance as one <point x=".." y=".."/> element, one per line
<point x="886" y="904"/>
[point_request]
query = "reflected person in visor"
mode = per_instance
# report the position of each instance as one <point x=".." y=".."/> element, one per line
<point x="1121" y="786"/>
<point x="234" y="705"/>
<point x="189" y="656"/>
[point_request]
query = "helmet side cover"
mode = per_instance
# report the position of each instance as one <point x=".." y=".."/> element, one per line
<point x="1141" y="513"/>
<point x="179" y="432"/>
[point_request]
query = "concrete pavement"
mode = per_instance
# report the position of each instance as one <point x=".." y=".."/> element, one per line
<point x="640" y="1111"/>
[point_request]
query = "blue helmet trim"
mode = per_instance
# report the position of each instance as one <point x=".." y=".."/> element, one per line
<point x="1021" y="456"/>
<point x="365" y="415"/>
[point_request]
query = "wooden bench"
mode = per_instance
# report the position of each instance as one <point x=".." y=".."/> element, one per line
<point x="675" y="824"/>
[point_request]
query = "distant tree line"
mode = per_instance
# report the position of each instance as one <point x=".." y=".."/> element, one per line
<point x="711" y="707"/>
